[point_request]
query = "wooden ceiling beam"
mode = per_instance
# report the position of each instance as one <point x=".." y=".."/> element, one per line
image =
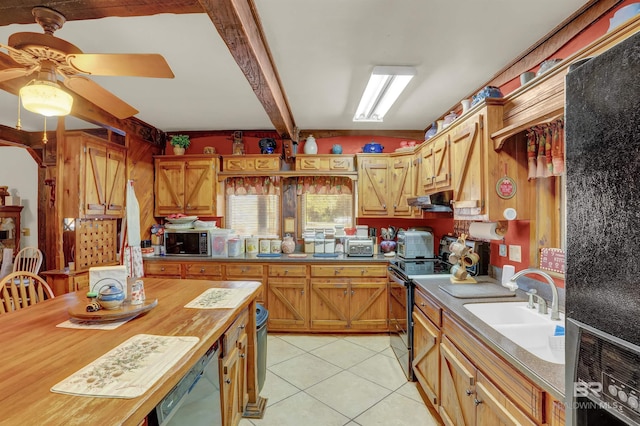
<point x="238" y="24"/>
<point x="19" y="11"/>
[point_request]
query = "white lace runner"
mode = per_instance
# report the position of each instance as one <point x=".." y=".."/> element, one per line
<point x="128" y="370"/>
<point x="219" y="298"/>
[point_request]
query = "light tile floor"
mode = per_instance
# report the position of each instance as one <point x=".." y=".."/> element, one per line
<point x="326" y="380"/>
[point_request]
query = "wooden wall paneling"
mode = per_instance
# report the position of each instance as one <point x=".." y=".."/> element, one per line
<point x="140" y="170"/>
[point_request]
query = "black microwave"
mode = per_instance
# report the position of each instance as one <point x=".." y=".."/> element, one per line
<point x="187" y="242"/>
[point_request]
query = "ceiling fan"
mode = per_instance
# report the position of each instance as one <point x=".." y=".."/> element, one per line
<point x="50" y="56"/>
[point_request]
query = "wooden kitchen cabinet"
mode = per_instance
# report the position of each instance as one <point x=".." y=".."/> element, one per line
<point x="384" y="184"/>
<point x="203" y="271"/>
<point x="233" y="374"/>
<point x="349" y="298"/>
<point x="480" y="175"/>
<point x="288" y="304"/>
<point x="94" y="186"/>
<point x="163" y="269"/>
<point x="186" y="184"/>
<point x="435" y="165"/>
<point x="458" y="379"/>
<point x="426" y="349"/>
<point x="251" y="163"/>
<point x="325" y="163"/>
<point x="506" y="398"/>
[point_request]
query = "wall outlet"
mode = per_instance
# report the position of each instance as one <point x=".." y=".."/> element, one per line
<point x="503" y="250"/>
<point x="515" y="253"/>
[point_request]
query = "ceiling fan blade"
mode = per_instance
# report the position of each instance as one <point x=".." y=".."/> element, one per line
<point x="12" y="73"/>
<point x="98" y="95"/>
<point x="125" y="64"/>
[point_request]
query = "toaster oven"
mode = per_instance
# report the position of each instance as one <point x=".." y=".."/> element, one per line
<point x="359" y="247"/>
<point x="415" y="245"/>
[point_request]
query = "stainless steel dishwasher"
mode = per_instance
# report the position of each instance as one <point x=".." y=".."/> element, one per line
<point x="195" y="400"/>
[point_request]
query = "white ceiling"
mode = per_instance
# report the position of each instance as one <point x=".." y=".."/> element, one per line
<point x="324" y="52"/>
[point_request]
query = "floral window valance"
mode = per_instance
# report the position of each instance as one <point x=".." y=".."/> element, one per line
<point x="334" y="185"/>
<point x="257" y="185"/>
<point x="545" y="150"/>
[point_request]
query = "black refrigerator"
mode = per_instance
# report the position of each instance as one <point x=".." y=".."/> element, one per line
<point x="602" y="125"/>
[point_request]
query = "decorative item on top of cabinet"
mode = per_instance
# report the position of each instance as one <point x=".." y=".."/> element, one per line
<point x="186" y="184"/>
<point x="180" y="143"/>
<point x="93" y="186"/>
<point x="310" y="145"/>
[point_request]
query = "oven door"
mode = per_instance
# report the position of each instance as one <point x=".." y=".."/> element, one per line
<point x="400" y="305"/>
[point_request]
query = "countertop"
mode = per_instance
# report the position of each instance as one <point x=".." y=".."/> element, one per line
<point x="547" y="375"/>
<point x="284" y="258"/>
<point x="36" y="354"/>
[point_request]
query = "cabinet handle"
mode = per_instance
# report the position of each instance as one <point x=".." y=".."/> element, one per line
<point x="241" y="355"/>
<point x="301" y="291"/>
<point x="353" y="292"/>
<point x="422" y="304"/>
<point x="362" y="272"/>
<point x="345" y="292"/>
<point x="202" y="270"/>
<point x="477" y="401"/>
<point x="286" y="271"/>
<point x="162" y="269"/>
<point x="241" y="326"/>
<point x="228" y="381"/>
<point x="469" y="392"/>
<point x="335" y="272"/>
<point x="384" y="206"/>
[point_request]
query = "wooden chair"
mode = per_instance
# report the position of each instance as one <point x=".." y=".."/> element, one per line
<point x="28" y="259"/>
<point x="22" y="289"/>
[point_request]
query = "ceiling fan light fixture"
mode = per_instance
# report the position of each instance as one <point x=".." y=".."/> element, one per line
<point x="383" y="89"/>
<point x="46" y="98"/>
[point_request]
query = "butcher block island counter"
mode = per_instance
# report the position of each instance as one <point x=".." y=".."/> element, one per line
<point x="36" y="354"/>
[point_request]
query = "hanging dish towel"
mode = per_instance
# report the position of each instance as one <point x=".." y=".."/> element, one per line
<point x="131" y="253"/>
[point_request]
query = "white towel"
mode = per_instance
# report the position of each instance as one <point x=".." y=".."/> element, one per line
<point x="7" y="262"/>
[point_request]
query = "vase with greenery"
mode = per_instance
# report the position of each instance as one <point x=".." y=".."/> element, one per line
<point x="180" y="143"/>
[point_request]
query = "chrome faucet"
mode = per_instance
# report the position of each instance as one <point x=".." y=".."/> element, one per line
<point x="555" y="313"/>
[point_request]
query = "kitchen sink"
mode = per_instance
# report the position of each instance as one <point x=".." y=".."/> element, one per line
<point x="525" y="327"/>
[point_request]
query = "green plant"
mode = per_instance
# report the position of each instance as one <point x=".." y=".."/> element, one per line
<point x="181" y="141"/>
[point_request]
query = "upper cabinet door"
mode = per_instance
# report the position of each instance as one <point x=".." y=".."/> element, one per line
<point x="401" y="185"/>
<point x="95" y="175"/>
<point x="373" y="186"/>
<point x="169" y="187"/>
<point x="199" y="179"/>
<point x="116" y="182"/>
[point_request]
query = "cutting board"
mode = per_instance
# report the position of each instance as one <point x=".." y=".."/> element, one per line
<point x="473" y="291"/>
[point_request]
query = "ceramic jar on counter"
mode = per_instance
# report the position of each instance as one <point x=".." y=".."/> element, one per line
<point x="288" y="244"/>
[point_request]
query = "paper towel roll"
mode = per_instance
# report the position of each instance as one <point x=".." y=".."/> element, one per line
<point x="486" y="230"/>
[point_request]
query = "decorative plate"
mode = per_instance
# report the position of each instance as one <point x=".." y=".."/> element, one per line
<point x="183" y="219"/>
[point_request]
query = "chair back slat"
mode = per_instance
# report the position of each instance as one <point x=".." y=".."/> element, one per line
<point x="28" y="259"/>
<point x="22" y="289"/>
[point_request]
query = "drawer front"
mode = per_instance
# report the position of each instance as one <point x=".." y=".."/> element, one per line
<point x="203" y="270"/>
<point x="163" y="269"/>
<point x="233" y="164"/>
<point x="234" y="332"/>
<point x="267" y="164"/>
<point x="428" y="307"/>
<point x="349" y="271"/>
<point x="288" y="271"/>
<point x="307" y="163"/>
<point x="244" y="271"/>
<point x="341" y="164"/>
